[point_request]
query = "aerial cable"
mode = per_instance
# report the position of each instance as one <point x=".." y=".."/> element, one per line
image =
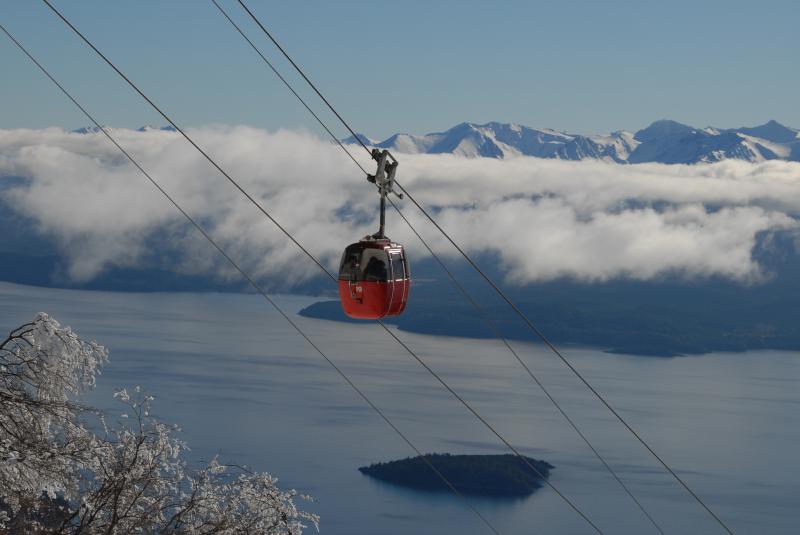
<point x="491" y="325"/>
<point x="483" y="315"/>
<point x="257" y="287"/>
<point x="531" y="326"/>
<point x="288" y="86"/>
<point x="499" y="335"/>
<point x="319" y="264"/>
<point x="566" y="361"/>
<point x="180" y="130"/>
<point x="300" y="71"/>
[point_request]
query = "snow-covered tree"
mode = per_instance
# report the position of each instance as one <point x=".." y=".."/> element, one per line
<point x="65" y="470"/>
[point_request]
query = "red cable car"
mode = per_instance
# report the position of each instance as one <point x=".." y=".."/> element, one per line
<point x="374" y="278"/>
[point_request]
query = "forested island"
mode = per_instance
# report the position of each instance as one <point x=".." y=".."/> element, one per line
<point x="478" y="475"/>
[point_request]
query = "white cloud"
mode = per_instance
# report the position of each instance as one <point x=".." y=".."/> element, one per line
<point x="544" y="218"/>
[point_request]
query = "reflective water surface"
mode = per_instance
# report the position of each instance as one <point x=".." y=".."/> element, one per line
<point x="242" y="384"/>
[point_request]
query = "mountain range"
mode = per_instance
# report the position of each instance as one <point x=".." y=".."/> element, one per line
<point x="668" y="315"/>
<point x="145" y="128"/>
<point x="664" y="141"/>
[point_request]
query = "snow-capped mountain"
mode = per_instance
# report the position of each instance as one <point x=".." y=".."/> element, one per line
<point x="151" y="128"/>
<point x="89" y="130"/>
<point x="145" y="128"/>
<point x="663" y="141"/>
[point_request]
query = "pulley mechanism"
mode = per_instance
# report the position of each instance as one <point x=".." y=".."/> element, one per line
<point x="384" y="180"/>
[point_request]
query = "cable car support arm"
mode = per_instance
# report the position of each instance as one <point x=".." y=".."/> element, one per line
<point x="384" y="180"/>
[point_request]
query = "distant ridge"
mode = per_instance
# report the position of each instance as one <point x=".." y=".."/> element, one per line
<point x="145" y="128"/>
<point x="664" y="141"/>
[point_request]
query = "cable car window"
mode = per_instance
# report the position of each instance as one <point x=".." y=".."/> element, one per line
<point x="349" y="267"/>
<point x="398" y="267"/>
<point x="373" y="261"/>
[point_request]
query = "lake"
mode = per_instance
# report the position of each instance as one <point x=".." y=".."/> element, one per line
<point x="242" y="384"/>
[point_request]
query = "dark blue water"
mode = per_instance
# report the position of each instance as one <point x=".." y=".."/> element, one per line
<point x="243" y="385"/>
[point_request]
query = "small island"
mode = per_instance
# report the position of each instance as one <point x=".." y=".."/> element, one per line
<point x="503" y="476"/>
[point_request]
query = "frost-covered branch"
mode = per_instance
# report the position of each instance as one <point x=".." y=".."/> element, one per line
<point x="64" y="470"/>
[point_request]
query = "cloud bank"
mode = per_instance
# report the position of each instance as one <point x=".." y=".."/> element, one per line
<point x="544" y="219"/>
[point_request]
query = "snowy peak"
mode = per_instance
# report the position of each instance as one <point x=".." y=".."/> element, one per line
<point x="151" y="128"/>
<point x="467" y="139"/>
<point x="352" y="140"/>
<point x="671" y="142"/>
<point x="145" y="128"/>
<point x="89" y="130"/>
<point x="661" y="129"/>
<point x="663" y="141"/>
<point x="771" y="131"/>
<point x="503" y="140"/>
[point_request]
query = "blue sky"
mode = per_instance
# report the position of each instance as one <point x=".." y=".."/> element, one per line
<point x="581" y="66"/>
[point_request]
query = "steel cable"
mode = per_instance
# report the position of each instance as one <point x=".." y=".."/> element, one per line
<point x="257" y="287"/>
<point x="497" y="289"/>
<point x="317" y="262"/>
<point x="469" y="298"/>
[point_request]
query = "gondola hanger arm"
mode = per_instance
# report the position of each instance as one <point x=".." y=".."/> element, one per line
<point x="384" y="174"/>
